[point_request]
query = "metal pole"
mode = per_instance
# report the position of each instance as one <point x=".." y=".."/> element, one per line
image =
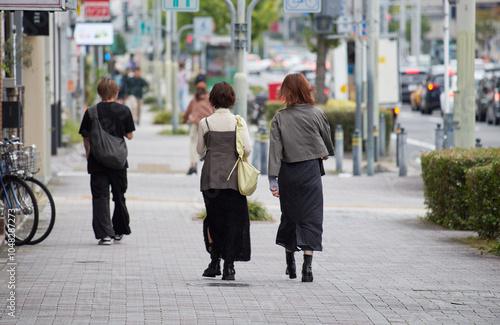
<point x="464" y="105"/>
<point x="251" y="6"/>
<point x="371" y="59"/>
<point x="402" y="29"/>
<point x="175" y="71"/>
<point x="264" y="149"/>
<point x="382" y="135"/>
<point x="416" y="29"/>
<point x="339" y="146"/>
<point x="356" y="152"/>
<point x="233" y="21"/>
<point x="168" y="65"/>
<point x="439" y="141"/>
<point x="358" y="14"/>
<point x="375" y="144"/>
<point x="240" y="78"/>
<point x="446" y="45"/>
<point x="403" y="171"/>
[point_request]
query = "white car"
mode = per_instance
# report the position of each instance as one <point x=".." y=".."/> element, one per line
<point x="254" y="64"/>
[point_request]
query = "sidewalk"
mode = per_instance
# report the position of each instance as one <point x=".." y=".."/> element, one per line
<point x="381" y="263"/>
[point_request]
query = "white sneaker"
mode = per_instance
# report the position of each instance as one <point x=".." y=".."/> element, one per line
<point x="105" y="241"/>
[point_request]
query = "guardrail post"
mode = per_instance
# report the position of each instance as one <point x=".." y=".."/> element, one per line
<point x="339" y="146"/>
<point x="357" y="151"/>
<point x="439" y="135"/>
<point x="398" y="131"/>
<point x="382" y="135"/>
<point x="375" y="143"/>
<point x="402" y="153"/>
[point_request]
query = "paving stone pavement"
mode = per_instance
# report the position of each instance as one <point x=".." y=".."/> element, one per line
<point x="382" y="263"/>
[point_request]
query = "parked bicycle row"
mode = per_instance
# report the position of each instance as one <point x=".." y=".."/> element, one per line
<point x="25" y="202"/>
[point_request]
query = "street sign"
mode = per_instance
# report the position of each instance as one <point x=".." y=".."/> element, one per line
<point x="181" y="5"/>
<point x="97" y="10"/>
<point x="302" y="6"/>
<point x="203" y="26"/>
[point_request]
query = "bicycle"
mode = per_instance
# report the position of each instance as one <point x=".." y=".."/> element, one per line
<point x="17" y="201"/>
<point x="44" y="199"/>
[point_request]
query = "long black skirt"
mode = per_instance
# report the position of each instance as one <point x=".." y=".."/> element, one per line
<point x="301" y="201"/>
<point x="228" y="223"/>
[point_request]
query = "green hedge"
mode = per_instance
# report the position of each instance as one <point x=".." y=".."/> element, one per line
<point x="339" y="112"/>
<point x="445" y="183"/>
<point x="483" y="191"/>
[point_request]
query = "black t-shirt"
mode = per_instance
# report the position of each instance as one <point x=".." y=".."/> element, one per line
<point x="116" y="119"/>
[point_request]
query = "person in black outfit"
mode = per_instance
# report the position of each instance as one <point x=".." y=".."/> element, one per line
<point x="115" y="119"/>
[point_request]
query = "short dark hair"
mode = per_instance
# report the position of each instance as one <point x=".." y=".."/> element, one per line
<point x="222" y="95"/>
<point x="107" y="88"/>
<point x="295" y="89"/>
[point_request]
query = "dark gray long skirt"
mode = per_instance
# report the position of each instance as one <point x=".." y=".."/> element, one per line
<point x="301" y="201"/>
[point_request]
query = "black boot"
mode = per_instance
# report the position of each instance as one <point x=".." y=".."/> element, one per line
<point x="192" y="170"/>
<point x="213" y="268"/>
<point x="229" y="272"/>
<point x="291" y="270"/>
<point x="307" y="274"/>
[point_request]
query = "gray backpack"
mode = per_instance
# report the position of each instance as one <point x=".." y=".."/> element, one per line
<point x="109" y="150"/>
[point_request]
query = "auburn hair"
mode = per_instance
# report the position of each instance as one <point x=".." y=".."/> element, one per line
<point x="222" y="95"/>
<point x="107" y="88"/>
<point x="295" y="89"/>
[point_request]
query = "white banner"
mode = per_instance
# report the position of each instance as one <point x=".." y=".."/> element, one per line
<point x="37" y="5"/>
<point x="94" y="34"/>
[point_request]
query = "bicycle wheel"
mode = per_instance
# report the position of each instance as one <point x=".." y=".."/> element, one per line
<point x="19" y="209"/>
<point x="46" y="210"/>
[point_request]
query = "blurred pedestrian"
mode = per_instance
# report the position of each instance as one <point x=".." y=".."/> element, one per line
<point x="300" y="140"/>
<point x="200" y="77"/>
<point x="183" y="78"/>
<point x="198" y="108"/>
<point x="226" y="228"/>
<point x="115" y="119"/>
<point x="136" y="87"/>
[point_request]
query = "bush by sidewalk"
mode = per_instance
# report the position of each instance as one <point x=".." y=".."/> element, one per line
<point x="256" y="209"/>
<point x="459" y="196"/>
<point x="341" y="112"/>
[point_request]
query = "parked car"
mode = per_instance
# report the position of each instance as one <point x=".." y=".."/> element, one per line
<point x="493" y="111"/>
<point x="254" y="64"/>
<point x="410" y="79"/>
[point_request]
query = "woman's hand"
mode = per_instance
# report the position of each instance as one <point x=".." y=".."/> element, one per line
<point x="273" y="185"/>
<point x="325" y="158"/>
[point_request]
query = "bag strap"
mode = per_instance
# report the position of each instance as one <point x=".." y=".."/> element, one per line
<point x="93" y="112"/>
<point x="239" y="140"/>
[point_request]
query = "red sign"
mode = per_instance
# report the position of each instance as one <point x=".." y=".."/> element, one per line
<point x="97" y="10"/>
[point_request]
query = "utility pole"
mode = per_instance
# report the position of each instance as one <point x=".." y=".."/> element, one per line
<point x="168" y="64"/>
<point x="358" y="15"/>
<point x="416" y="29"/>
<point x="175" y="71"/>
<point x="240" y="78"/>
<point x="464" y="114"/>
<point x="446" y="48"/>
<point x="372" y="58"/>
<point x="402" y="29"/>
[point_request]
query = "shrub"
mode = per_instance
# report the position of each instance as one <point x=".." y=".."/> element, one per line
<point x="71" y="129"/>
<point x="341" y="112"/>
<point x="445" y="189"/>
<point x="256" y="209"/>
<point x="483" y="191"/>
<point x="165" y="117"/>
<point x="150" y="100"/>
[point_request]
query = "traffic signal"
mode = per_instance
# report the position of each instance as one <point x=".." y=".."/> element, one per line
<point x="189" y="43"/>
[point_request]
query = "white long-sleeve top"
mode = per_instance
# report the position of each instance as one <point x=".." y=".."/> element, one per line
<point x="221" y="120"/>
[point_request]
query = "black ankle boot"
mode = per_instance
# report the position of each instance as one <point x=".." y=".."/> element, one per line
<point x="229" y="272"/>
<point x="307" y="274"/>
<point x="192" y="170"/>
<point x="291" y="270"/>
<point x="213" y="268"/>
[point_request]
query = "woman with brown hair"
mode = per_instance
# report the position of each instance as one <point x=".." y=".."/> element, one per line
<point x="198" y="108"/>
<point x="226" y="228"/>
<point x="300" y="140"/>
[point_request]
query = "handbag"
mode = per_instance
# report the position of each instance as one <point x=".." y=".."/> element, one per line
<point x="248" y="175"/>
<point x="109" y="150"/>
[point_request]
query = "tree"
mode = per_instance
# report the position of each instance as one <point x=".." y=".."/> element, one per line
<point x="264" y="14"/>
<point x="486" y="23"/>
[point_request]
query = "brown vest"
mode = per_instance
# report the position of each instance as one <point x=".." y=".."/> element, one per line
<point x="219" y="160"/>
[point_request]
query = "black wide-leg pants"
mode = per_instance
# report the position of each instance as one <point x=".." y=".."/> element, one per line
<point x="101" y="222"/>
